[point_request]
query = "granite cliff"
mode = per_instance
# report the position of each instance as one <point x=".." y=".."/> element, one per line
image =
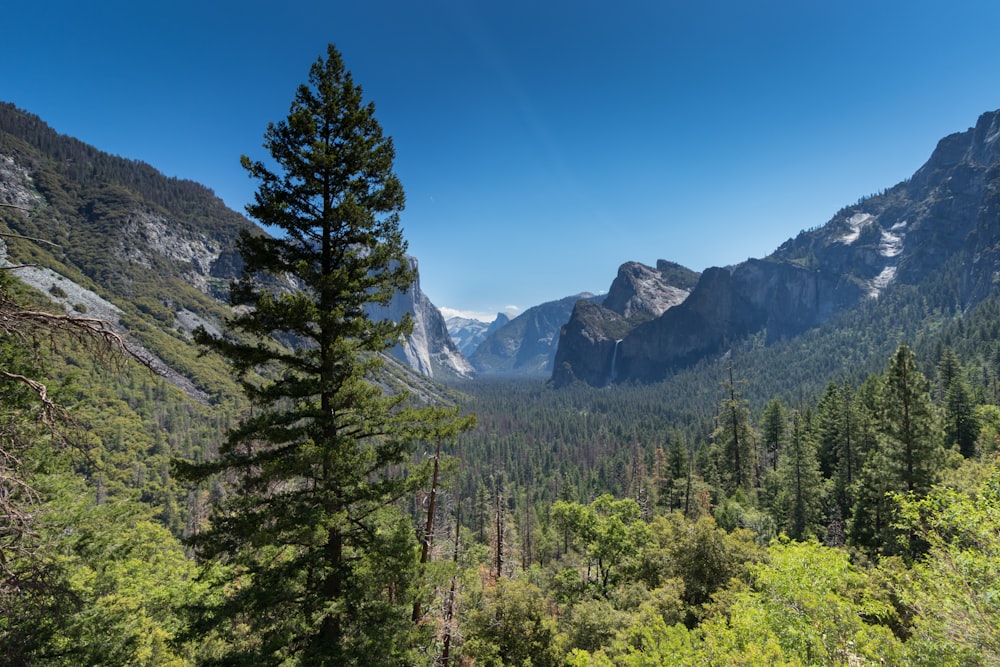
<point x="946" y="218"/>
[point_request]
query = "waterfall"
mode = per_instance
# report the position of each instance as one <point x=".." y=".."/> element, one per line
<point x="614" y="362"/>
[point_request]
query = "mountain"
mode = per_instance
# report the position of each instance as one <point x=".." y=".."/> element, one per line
<point x="589" y="341"/>
<point x="429" y="350"/>
<point x="942" y="226"/>
<point x="154" y="255"/>
<point x="526" y="345"/>
<point x="468" y="333"/>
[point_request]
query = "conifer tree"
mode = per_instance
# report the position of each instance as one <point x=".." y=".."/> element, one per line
<point x="773" y="426"/>
<point x="906" y="457"/>
<point x="961" y="426"/>
<point x="909" y="426"/>
<point x="949" y="368"/>
<point x="840" y="451"/>
<point x="734" y="437"/>
<point x="801" y="485"/>
<point x="325" y="559"/>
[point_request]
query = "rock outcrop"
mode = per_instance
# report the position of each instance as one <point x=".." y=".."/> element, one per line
<point x="589" y="347"/>
<point x="429" y="350"/>
<point x="945" y="218"/>
<point x="468" y="333"/>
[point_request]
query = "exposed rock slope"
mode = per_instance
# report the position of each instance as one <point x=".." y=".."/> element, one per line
<point x="429" y="350"/>
<point x="945" y="218"/>
<point x="468" y="333"/>
<point x="590" y="342"/>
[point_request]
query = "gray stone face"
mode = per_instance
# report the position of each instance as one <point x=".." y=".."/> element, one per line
<point x="590" y="343"/>
<point x="948" y="213"/>
<point x="429" y="350"/>
<point x="469" y="333"/>
<point x="641" y="291"/>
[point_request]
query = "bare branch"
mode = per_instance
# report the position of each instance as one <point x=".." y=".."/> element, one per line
<point x="98" y="335"/>
<point x="16" y="207"/>
<point x="11" y="235"/>
<point x="37" y="387"/>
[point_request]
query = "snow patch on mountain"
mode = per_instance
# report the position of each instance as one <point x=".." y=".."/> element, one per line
<point x="891" y="244"/>
<point x="856" y="222"/>
<point x="881" y="281"/>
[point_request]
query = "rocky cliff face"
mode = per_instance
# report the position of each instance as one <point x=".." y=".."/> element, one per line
<point x="780" y="298"/>
<point x="429" y="350"/>
<point x="468" y="333"/>
<point x="153" y="254"/>
<point x="945" y="218"/>
<point x="589" y="347"/>
<point x="642" y="292"/>
<point x="526" y="345"/>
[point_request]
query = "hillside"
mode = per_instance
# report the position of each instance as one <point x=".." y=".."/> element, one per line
<point x="155" y="255"/>
<point x="935" y="232"/>
<point x="526" y="345"/>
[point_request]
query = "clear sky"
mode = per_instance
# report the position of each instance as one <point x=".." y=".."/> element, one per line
<point x="541" y="143"/>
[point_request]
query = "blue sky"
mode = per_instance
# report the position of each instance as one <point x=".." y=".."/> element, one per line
<point x="541" y="144"/>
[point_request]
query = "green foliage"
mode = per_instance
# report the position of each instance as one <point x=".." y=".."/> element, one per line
<point x="806" y="605"/>
<point x="704" y="557"/>
<point x="324" y="558"/>
<point x="113" y="588"/>
<point x="735" y="442"/>
<point x="800" y="486"/>
<point x="511" y="626"/>
<point x="953" y="592"/>
<point x="961" y="426"/>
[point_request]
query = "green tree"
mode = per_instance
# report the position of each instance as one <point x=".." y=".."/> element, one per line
<point x="800" y="494"/>
<point x="327" y="563"/>
<point x="511" y="626"/>
<point x="949" y="369"/>
<point x="773" y="428"/>
<point x="735" y="440"/>
<point x="909" y="426"/>
<point x="619" y="535"/>
<point x="906" y="459"/>
<point x="953" y="593"/>
<point x="961" y="427"/>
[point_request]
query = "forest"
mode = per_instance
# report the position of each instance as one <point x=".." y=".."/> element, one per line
<point x="832" y="499"/>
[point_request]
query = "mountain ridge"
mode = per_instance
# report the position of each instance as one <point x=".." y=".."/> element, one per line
<point x="161" y="250"/>
<point x="946" y="212"/>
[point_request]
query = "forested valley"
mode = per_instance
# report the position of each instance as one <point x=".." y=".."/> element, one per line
<point x="828" y="499"/>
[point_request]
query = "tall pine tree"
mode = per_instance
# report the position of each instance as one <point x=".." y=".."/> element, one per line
<point x="800" y="495"/>
<point x="906" y="458"/>
<point x="910" y="432"/>
<point x="326" y="562"/>
<point x="734" y="439"/>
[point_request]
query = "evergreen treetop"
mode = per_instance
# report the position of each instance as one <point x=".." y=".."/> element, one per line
<point x="329" y="560"/>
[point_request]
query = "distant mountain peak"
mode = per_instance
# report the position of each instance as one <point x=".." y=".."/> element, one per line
<point x="525" y="346"/>
<point x="946" y="218"/>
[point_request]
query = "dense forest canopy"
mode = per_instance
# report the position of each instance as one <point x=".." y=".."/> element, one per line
<point x="831" y="498"/>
